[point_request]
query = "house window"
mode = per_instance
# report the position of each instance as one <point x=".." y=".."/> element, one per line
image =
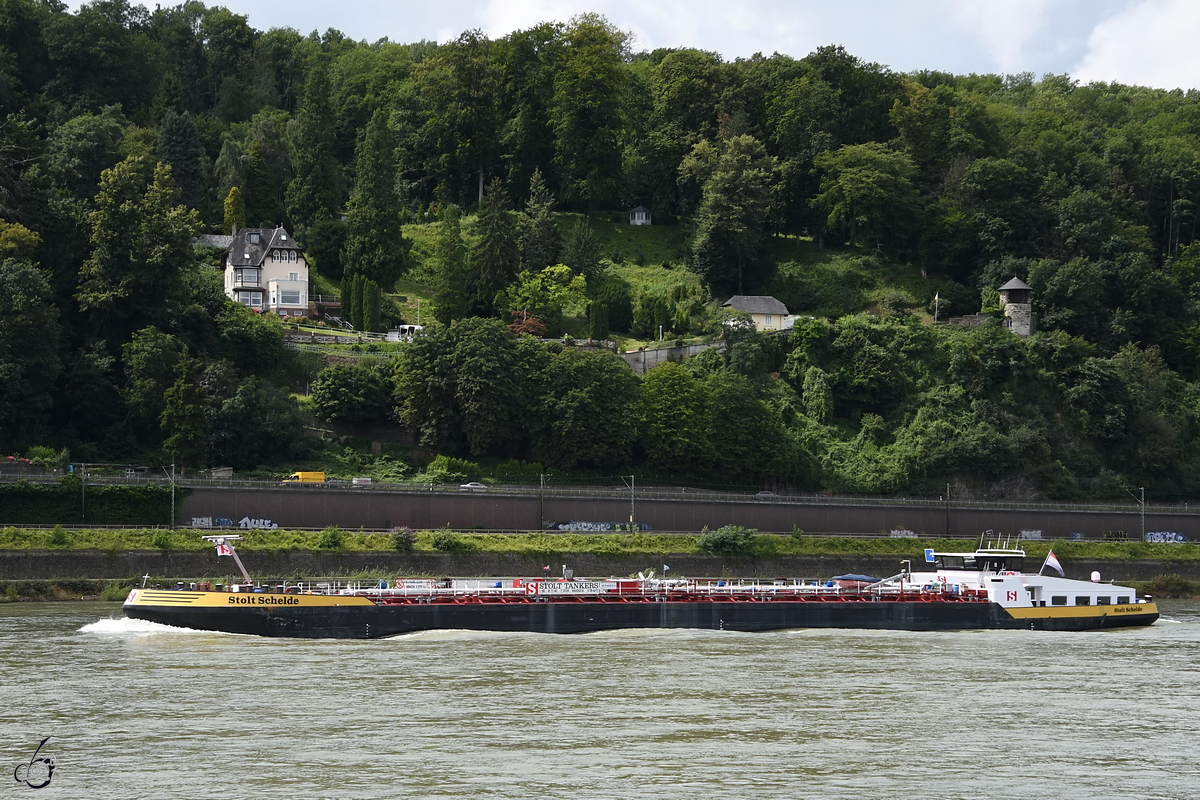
<point x="293" y="276"/>
<point x="287" y="298"/>
<point x="770" y="321"/>
<point x="292" y="256"/>
<point x="250" y="299"/>
<point x="246" y="276"/>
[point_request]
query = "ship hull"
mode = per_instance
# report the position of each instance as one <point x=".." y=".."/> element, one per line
<point x="358" y="618"/>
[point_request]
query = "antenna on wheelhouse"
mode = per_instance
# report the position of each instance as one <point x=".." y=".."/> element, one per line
<point x="225" y="548"/>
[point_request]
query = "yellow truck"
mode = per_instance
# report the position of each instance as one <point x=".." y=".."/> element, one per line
<point x="305" y="477"/>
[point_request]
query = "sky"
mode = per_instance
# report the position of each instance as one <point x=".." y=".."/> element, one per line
<point x="1143" y="42"/>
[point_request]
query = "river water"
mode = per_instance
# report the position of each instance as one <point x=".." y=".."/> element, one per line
<point x="139" y="710"/>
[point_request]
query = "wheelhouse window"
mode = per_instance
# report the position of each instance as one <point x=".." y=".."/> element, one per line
<point x="1082" y="600"/>
<point x="1058" y="600"/>
<point x="1122" y="600"/>
<point x="1103" y="601"/>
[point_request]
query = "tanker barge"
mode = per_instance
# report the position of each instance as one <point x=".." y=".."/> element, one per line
<point x="984" y="589"/>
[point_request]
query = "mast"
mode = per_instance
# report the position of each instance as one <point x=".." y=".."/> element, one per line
<point x="225" y="548"/>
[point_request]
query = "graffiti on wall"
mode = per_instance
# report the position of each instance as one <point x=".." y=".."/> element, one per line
<point x="1164" y="537"/>
<point x="596" y="527"/>
<point x="245" y="523"/>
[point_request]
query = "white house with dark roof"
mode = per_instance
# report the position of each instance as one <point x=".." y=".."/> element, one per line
<point x="266" y="269"/>
<point x="768" y="313"/>
<point x="640" y="216"/>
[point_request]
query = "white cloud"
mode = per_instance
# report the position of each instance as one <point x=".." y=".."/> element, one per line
<point x="1152" y="43"/>
<point x="1003" y="28"/>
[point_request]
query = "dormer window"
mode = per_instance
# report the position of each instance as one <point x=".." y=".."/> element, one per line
<point x="253" y="237"/>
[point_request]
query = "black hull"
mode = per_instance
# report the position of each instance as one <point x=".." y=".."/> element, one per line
<point x="376" y="622"/>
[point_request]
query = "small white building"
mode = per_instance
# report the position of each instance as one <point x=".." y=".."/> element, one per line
<point x="639" y="216"/>
<point x="768" y="313"/>
<point x="266" y="269"/>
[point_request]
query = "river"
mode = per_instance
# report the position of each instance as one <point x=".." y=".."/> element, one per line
<point x="139" y="710"/>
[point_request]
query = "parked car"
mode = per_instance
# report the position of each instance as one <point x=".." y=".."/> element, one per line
<point x="473" y="486"/>
<point x="766" y="495"/>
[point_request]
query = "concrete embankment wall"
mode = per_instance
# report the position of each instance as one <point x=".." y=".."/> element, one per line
<point x="204" y="565"/>
<point x="371" y="508"/>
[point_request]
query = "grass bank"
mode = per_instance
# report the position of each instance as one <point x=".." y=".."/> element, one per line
<point x="433" y="541"/>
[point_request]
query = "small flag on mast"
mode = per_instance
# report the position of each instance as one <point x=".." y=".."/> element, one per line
<point x="665" y="568"/>
<point x="1052" y="562"/>
<point x="224" y="550"/>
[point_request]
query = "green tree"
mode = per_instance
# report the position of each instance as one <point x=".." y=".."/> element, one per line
<point x="585" y="115"/>
<point x="586" y="410"/>
<point x="80" y="149"/>
<point x="183" y="418"/>
<point x="179" y="148"/>
<point x="537" y="230"/>
<point x="733" y="208"/>
<point x="868" y="193"/>
<point x="235" y="210"/>
<point x="375" y="245"/>
<point x="29" y="358"/>
<point x="495" y="256"/>
<point x="152" y="366"/>
<point x="582" y="251"/>
<point x="262" y="206"/>
<point x="313" y="193"/>
<point x="675" y="420"/>
<point x="260" y="423"/>
<point x="451" y="278"/>
<point x="547" y="295"/>
<point x="141" y="244"/>
<point x="353" y="393"/>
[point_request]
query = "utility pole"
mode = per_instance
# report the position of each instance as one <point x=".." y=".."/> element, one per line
<point x="542" y="503"/>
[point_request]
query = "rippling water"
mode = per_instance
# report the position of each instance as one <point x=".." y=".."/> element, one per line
<point x="140" y="710"/>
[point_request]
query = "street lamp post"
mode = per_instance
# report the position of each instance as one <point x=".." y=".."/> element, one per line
<point x="1142" y="503"/>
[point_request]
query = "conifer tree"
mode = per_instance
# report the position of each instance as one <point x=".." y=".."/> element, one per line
<point x="495" y="257"/>
<point x="371" y="303"/>
<point x="235" y="210"/>
<point x="451" y="290"/>
<point x="179" y="148"/>
<point x="538" y="233"/>
<point x="313" y="193"/>
<point x="261" y="208"/>
<point x="582" y="252"/>
<point x="375" y="246"/>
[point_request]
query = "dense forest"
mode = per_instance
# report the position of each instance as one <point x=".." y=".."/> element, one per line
<point x="480" y="171"/>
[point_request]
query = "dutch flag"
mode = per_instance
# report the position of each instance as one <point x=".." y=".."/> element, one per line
<point x="1052" y="562"/>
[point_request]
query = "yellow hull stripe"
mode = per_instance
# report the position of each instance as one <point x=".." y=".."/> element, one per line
<point x="1082" y="612"/>
<point x="151" y="597"/>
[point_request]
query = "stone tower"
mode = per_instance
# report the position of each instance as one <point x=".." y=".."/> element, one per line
<point x="1016" y="298"/>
